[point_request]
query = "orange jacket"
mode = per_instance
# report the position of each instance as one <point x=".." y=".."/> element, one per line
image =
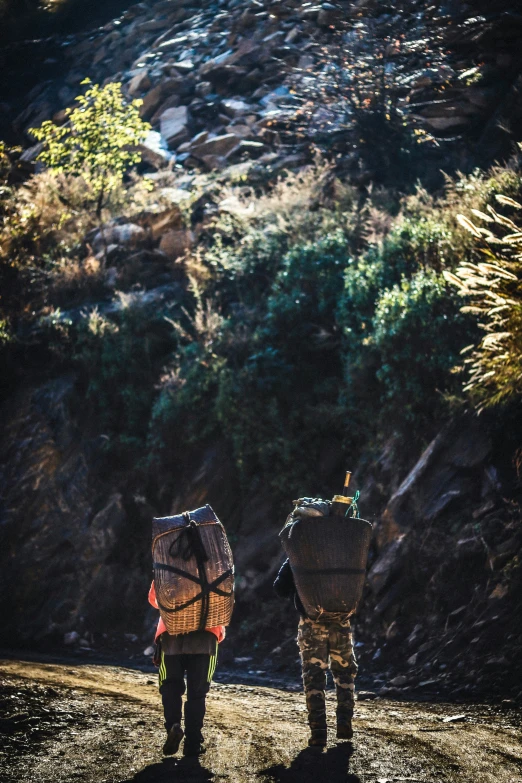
<point x="219" y="630"/>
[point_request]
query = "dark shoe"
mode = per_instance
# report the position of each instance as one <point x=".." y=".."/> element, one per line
<point x="193" y="749"/>
<point x="317" y="738"/>
<point x="344" y="731"/>
<point x="173" y="740"/>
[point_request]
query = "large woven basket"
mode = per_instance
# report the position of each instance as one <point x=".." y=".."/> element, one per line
<point x="328" y="557"/>
<point x="193" y="571"/>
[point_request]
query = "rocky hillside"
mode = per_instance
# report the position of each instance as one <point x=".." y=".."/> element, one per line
<point x="100" y="436"/>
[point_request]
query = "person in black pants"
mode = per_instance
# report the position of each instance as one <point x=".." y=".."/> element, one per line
<point x="192" y="654"/>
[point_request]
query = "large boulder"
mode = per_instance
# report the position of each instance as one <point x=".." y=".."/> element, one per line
<point x="174" y="125"/>
<point x="450" y="471"/>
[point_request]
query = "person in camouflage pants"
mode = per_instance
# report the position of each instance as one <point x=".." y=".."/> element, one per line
<point x="324" y="646"/>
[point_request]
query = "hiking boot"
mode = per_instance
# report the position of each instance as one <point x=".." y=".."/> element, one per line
<point x="173" y="740"/>
<point x="344" y="731"/>
<point x="317" y="738"/>
<point x="193" y="749"/>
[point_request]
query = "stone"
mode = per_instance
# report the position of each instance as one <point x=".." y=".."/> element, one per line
<point x="328" y="15"/>
<point x="445" y="123"/>
<point x="174" y="124"/>
<point x="217" y="145"/>
<point x="292" y="35"/>
<point x="246" y="148"/>
<point x="31" y="153"/>
<point x="162" y="222"/>
<point x="448" y="469"/>
<point x="139" y="83"/>
<point x="386" y="566"/>
<point x="100" y="55"/>
<point x="203" y="89"/>
<point x="154" y="150"/>
<point x="171" y="102"/>
<point x="235" y="107"/>
<point x="184" y="66"/>
<point x="127" y="234"/>
<point x="306" y="62"/>
<point x="174" y="244"/>
<point x="399" y="681"/>
<point x="71" y="638"/>
<point x="151" y="101"/>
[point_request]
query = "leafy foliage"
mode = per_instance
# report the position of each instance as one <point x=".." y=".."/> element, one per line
<point x="494" y="288"/>
<point x="98" y="140"/>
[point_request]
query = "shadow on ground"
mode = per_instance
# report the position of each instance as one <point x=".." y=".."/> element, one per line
<point x="311" y="765"/>
<point x="172" y="770"/>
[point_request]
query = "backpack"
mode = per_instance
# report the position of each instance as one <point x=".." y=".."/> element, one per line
<point x="193" y="571"/>
<point x="327" y="555"/>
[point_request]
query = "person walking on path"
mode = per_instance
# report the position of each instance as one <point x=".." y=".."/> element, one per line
<point x="323" y="646"/>
<point x="192" y="654"/>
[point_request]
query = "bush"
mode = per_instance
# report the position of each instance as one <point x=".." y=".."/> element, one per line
<point x="417" y="332"/>
<point x="494" y="288"/>
<point x="120" y="360"/>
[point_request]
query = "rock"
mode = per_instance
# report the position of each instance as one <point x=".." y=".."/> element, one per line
<point x="443" y="474"/>
<point x="366" y="695"/>
<point x="139" y="83"/>
<point x="174" y="244"/>
<point x="159" y="224"/>
<point x="249" y="149"/>
<point x="174" y="124"/>
<point x="398" y="681"/>
<point x="445" y="123"/>
<point x="71" y="638"/>
<point x="184" y="66"/>
<point x="203" y="89"/>
<point x="328" y="15"/>
<point x="172" y="102"/>
<point x="386" y="566"/>
<point x="127" y="234"/>
<point x="215" y="146"/>
<point x="151" y="101"/>
<point x="453" y="718"/>
<point x="148" y="651"/>
<point x="154" y="150"/>
<point x="31" y="153"/>
<point x="235" y="108"/>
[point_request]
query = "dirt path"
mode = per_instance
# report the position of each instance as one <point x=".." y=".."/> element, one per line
<point x="65" y="723"/>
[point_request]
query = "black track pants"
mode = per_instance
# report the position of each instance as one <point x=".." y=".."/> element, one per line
<point x="199" y="669"/>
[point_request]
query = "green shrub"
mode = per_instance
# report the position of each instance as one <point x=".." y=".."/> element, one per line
<point x="120" y="359"/>
<point x="417" y="333"/>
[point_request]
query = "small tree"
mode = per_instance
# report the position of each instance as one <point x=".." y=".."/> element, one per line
<point x="98" y="142"/>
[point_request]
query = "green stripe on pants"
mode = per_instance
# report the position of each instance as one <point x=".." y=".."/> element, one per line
<point x="211" y="667"/>
<point x="162" y="671"/>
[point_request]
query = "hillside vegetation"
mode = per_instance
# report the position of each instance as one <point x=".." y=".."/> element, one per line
<point x="247" y="311"/>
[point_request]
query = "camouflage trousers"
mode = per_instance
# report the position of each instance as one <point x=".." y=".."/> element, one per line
<point x="323" y="646"/>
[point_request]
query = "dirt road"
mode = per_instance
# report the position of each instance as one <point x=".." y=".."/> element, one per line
<point x="102" y="724"/>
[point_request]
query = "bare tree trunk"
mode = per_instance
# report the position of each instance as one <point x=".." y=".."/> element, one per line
<point x="99" y="208"/>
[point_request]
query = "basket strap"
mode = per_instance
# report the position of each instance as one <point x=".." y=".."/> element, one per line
<point x="208" y="587"/>
<point x="328" y="571"/>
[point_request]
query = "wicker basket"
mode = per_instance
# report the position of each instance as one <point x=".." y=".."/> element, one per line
<point x="193" y="571"/>
<point x="328" y="559"/>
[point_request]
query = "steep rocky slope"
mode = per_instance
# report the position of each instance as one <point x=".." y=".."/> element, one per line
<point x="247" y="91"/>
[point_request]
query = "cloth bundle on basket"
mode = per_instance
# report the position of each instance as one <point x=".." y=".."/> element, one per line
<point x="328" y="555"/>
<point x="193" y="571"/>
